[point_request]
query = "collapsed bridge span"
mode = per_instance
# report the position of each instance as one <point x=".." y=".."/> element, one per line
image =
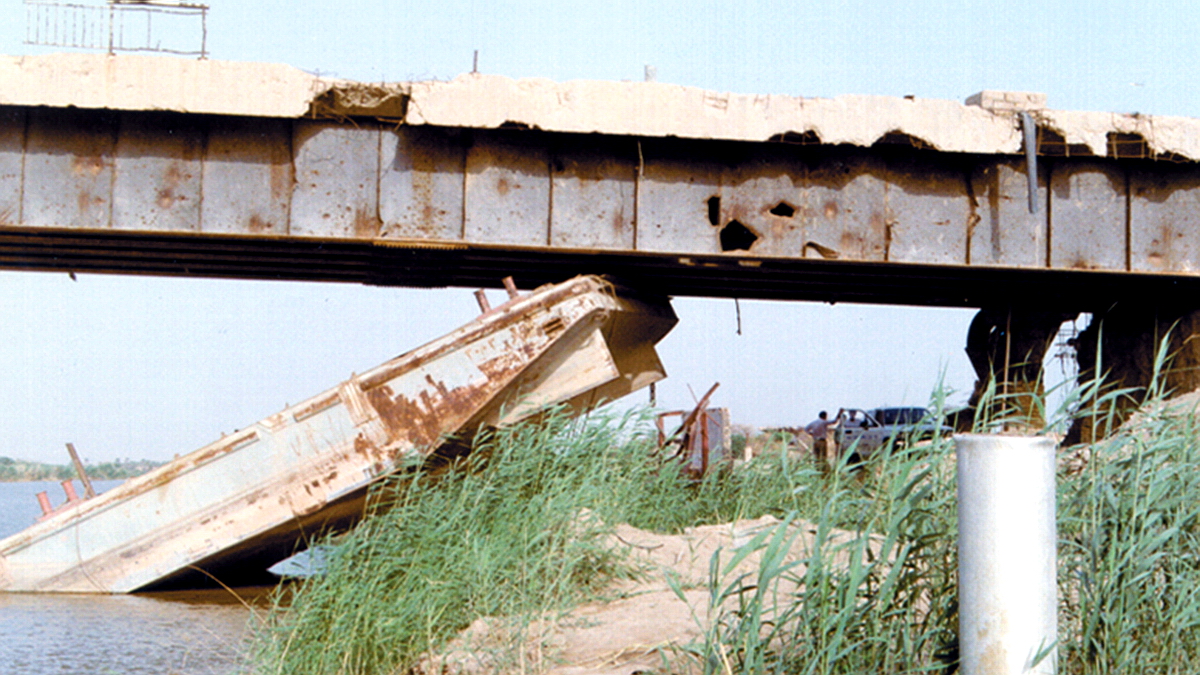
<point x="230" y="510"/>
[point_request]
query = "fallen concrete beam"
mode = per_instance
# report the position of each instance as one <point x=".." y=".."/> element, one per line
<point x="233" y="508"/>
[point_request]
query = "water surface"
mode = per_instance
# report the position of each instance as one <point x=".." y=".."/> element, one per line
<point x="19" y="506"/>
<point x="179" y="633"/>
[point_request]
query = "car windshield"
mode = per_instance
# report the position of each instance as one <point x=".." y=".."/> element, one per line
<point x="900" y="415"/>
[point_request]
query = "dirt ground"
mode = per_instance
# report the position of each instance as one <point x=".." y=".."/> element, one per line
<point x="643" y="627"/>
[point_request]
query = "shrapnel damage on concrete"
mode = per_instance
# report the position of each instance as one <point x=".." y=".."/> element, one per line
<point x="208" y="168"/>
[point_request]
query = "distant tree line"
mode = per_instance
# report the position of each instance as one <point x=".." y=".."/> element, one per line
<point x="13" y="470"/>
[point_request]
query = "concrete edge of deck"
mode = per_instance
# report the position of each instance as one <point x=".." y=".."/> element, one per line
<point x="649" y="109"/>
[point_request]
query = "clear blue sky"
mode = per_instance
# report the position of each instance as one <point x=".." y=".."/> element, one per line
<point x="144" y="367"/>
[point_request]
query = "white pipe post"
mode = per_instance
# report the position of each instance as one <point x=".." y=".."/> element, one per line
<point x="1007" y="555"/>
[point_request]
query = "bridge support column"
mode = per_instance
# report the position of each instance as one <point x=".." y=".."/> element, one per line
<point x="1008" y="345"/>
<point x="1121" y="344"/>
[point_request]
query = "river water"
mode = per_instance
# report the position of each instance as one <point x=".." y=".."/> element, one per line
<point x="179" y="633"/>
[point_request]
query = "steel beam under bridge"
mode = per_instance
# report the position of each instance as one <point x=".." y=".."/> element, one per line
<point x="350" y="197"/>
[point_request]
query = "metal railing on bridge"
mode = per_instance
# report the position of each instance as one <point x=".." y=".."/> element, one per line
<point x="119" y="25"/>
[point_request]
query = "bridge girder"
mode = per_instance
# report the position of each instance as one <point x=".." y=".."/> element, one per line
<point x="358" y="200"/>
<point x="169" y="166"/>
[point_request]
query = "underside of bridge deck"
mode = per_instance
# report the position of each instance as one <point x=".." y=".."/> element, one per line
<point x="417" y="264"/>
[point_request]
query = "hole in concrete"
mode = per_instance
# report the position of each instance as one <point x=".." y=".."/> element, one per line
<point x="714" y="210"/>
<point x="897" y="137"/>
<point x="1053" y="144"/>
<point x="783" y="209"/>
<point x="1172" y="157"/>
<point x="737" y="237"/>
<point x="553" y="326"/>
<point x="1127" y="145"/>
<point x="809" y="137"/>
<point x="1130" y="145"/>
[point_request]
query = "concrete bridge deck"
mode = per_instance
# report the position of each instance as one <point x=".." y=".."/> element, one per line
<point x="170" y="166"/>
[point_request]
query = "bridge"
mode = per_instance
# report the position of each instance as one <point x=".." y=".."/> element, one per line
<point x="144" y="165"/>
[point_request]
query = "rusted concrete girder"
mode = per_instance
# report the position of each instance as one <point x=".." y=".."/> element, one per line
<point x="262" y="191"/>
<point x="856" y="198"/>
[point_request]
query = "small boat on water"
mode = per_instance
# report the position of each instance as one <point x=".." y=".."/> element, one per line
<point x="228" y="511"/>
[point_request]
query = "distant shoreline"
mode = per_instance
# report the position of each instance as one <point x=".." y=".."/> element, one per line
<point x="21" y="471"/>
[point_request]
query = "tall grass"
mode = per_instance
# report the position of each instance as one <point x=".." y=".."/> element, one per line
<point x="882" y="598"/>
<point x="874" y="590"/>
<point x="497" y="534"/>
<point x="878" y="596"/>
<point x="1129" y="571"/>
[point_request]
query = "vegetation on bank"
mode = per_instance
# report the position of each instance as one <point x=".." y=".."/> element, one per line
<point x="500" y="534"/>
<point x="514" y="530"/>
<point x="885" y="600"/>
<point x="15" y="470"/>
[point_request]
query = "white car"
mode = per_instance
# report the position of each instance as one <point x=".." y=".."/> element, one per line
<point x="865" y="431"/>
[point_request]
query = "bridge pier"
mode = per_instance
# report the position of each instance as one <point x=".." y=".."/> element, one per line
<point x="1122" y="344"/>
<point x="1008" y="344"/>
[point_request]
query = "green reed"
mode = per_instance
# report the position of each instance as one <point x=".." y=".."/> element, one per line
<point x="873" y="589"/>
<point x="501" y="533"/>
<point x="517" y="530"/>
<point x="882" y="597"/>
<point x="1129" y="529"/>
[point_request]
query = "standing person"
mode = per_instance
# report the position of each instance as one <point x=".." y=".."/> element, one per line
<point x="819" y="430"/>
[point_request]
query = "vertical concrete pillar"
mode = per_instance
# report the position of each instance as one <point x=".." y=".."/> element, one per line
<point x="1007" y="555"/>
<point x="1008" y="345"/>
<point x="1121" y="346"/>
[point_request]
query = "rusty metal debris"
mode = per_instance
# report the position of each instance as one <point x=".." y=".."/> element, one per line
<point x="68" y="487"/>
<point x="702" y="440"/>
<point x="83" y="477"/>
<point x="233" y="508"/>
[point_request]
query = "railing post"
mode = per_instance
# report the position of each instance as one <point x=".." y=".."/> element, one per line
<point x="68" y="487"/>
<point x="83" y="477"/>
<point x="1007" y="555"/>
<point x="44" y="502"/>
<point x="481" y="298"/>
